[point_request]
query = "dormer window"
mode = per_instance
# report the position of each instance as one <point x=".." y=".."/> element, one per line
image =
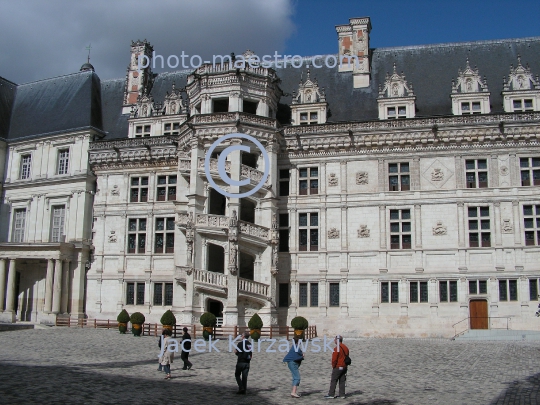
<point x="523" y="105"/>
<point x="171" y="128"/>
<point x="309" y="106"/>
<point x="142" y="130"/>
<point x="470" y="93"/>
<point x="396" y="99"/>
<point x="396" y="112"/>
<point x="308" y="118"/>
<point x="521" y="92"/>
<point x="469" y="107"/>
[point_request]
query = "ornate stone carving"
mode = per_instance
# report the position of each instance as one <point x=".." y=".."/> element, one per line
<point x="439" y="229"/>
<point x="363" y="232"/>
<point x="333" y="233"/>
<point x="115" y="190"/>
<point x="332" y="180"/>
<point x="113" y="238"/>
<point x="507" y="226"/>
<point x="362" y="178"/>
<point x="437" y="174"/>
<point x="504" y="171"/>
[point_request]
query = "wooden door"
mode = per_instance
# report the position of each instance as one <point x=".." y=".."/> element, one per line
<point x="478" y="310"/>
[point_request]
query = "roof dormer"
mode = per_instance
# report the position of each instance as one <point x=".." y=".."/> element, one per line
<point x="470" y="93"/>
<point x="396" y="99"/>
<point x="174" y="104"/>
<point x="522" y="91"/>
<point x="309" y="105"/>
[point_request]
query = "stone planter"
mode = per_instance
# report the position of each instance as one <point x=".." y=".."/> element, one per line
<point x="122" y="327"/>
<point x="136" y="329"/>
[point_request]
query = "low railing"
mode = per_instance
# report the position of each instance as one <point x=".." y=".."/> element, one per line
<point x="253" y="287"/>
<point x="184" y="164"/>
<point x="155" y="329"/>
<point x="213" y="165"/>
<point x="210" y="277"/>
<point x="252" y="174"/>
<point x="491" y="322"/>
<point x="214" y="221"/>
<point x="253" y="230"/>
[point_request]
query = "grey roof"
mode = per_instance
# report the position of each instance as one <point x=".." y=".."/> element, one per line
<point x="7" y="97"/>
<point x="56" y="105"/>
<point x="81" y="100"/>
<point x="430" y="68"/>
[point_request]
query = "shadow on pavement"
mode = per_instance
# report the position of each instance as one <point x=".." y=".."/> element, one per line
<point x="524" y="392"/>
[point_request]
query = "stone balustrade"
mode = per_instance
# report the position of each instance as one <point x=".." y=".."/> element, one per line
<point x="252" y="174"/>
<point x="253" y="230"/>
<point x="214" y="221"/>
<point x="209" y="277"/>
<point x="214" y="165"/>
<point x="253" y="287"/>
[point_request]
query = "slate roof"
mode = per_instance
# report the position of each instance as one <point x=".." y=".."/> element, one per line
<point x="81" y="100"/>
<point x="56" y="105"/>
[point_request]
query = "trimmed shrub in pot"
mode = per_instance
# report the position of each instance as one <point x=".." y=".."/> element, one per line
<point x="208" y="321"/>
<point x="300" y="324"/>
<point x="168" y="320"/>
<point x="123" y="319"/>
<point x="137" y="319"/>
<point x="255" y="324"/>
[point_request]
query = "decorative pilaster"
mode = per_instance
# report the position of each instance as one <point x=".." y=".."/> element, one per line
<point x="65" y="287"/>
<point x="2" y="283"/>
<point x="57" y="287"/>
<point x="49" y="286"/>
<point x="517" y="223"/>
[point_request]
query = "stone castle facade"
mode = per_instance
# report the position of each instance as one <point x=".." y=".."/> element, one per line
<point x="389" y="210"/>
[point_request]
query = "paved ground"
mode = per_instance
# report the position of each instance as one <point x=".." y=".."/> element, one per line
<point x="88" y="366"/>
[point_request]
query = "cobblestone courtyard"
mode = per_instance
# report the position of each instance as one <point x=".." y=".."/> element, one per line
<point x="89" y="366"/>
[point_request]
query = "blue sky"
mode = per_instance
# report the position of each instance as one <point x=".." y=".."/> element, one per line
<point x="401" y="23"/>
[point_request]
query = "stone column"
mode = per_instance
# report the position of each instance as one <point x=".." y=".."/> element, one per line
<point x="65" y="287"/>
<point x="2" y="283"/>
<point x="418" y="226"/>
<point x="49" y="286"/>
<point x="10" y="293"/>
<point x="57" y="288"/>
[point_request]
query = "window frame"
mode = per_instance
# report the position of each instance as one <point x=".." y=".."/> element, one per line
<point x="309" y="230"/>
<point x="309" y="120"/>
<point x="166" y="234"/>
<point x="284" y="233"/>
<point x="480" y="231"/>
<point x="403" y="177"/>
<point x="531" y="233"/>
<point x="136" y="298"/>
<point x="163" y="286"/>
<point x="533" y="292"/>
<point x="139" y="187"/>
<point x="449" y="284"/>
<point x="167" y="187"/>
<point x="529" y="172"/>
<point x="25" y="167"/>
<point x="401" y="233"/>
<point x="145" y="130"/>
<point x="310" y="288"/>
<point x="418" y="292"/>
<point x="388" y="296"/>
<point x="476" y="172"/>
<point x="284" y="182"/>
<point x="62" y="161"/>
<point x="522" y="103"/>
<point x="478" y="286"/>
<point x="505" y="293"/>
<point x="308" y="179"/>
<point x="396" y="112"/>
<point x="137" y="232"/>
<point x="61" y="228"/>
<point x="18" y="232"/>
<point x="284" y="291"/>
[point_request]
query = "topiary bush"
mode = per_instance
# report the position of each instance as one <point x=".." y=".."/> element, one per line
<point x="123" y="319"/>
<point x="123" y="316"/>
<point x="255" y="324"/>
<point x="208" y="319"/>
<point x="137" y="318"/>
<point x="168" y="318"/>
<point x="299" y="323"/>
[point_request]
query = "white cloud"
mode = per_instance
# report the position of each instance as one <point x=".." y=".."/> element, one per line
<point x="48" y="38"/>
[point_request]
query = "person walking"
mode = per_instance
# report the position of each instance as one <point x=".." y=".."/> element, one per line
<point x="160" y="368"/>
<point x="339" y="368"/>
<point x="244" y="353"/>
<point x="294" y="359"/>
<point x="167" y="357"/>
<point x="186" y="347"/>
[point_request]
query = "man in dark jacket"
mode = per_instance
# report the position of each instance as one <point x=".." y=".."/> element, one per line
<point x="186" y="347"/>
<point x="243" y="352"/>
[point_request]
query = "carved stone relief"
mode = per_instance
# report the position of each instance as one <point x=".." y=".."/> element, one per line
<point x="115" y="190"/>
<point x="439" y="229"/>
<point x="332" y="180"/>
<point x="333" y="233"/>
<point x="113" y="238"/>
<point x="507" y="226"/>
<point x="437" y="174"/>
<point x="504" y="171"/>
<point x="362" y="178"/>
<point x="363" y="232"/>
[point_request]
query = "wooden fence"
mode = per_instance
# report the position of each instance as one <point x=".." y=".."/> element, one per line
<point x="155" y="329"/>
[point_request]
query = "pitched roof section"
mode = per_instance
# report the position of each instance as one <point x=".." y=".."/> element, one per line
<point x="7" y="98"/>
<point x="430" y="68"/>
<point x="56" y="105"/>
